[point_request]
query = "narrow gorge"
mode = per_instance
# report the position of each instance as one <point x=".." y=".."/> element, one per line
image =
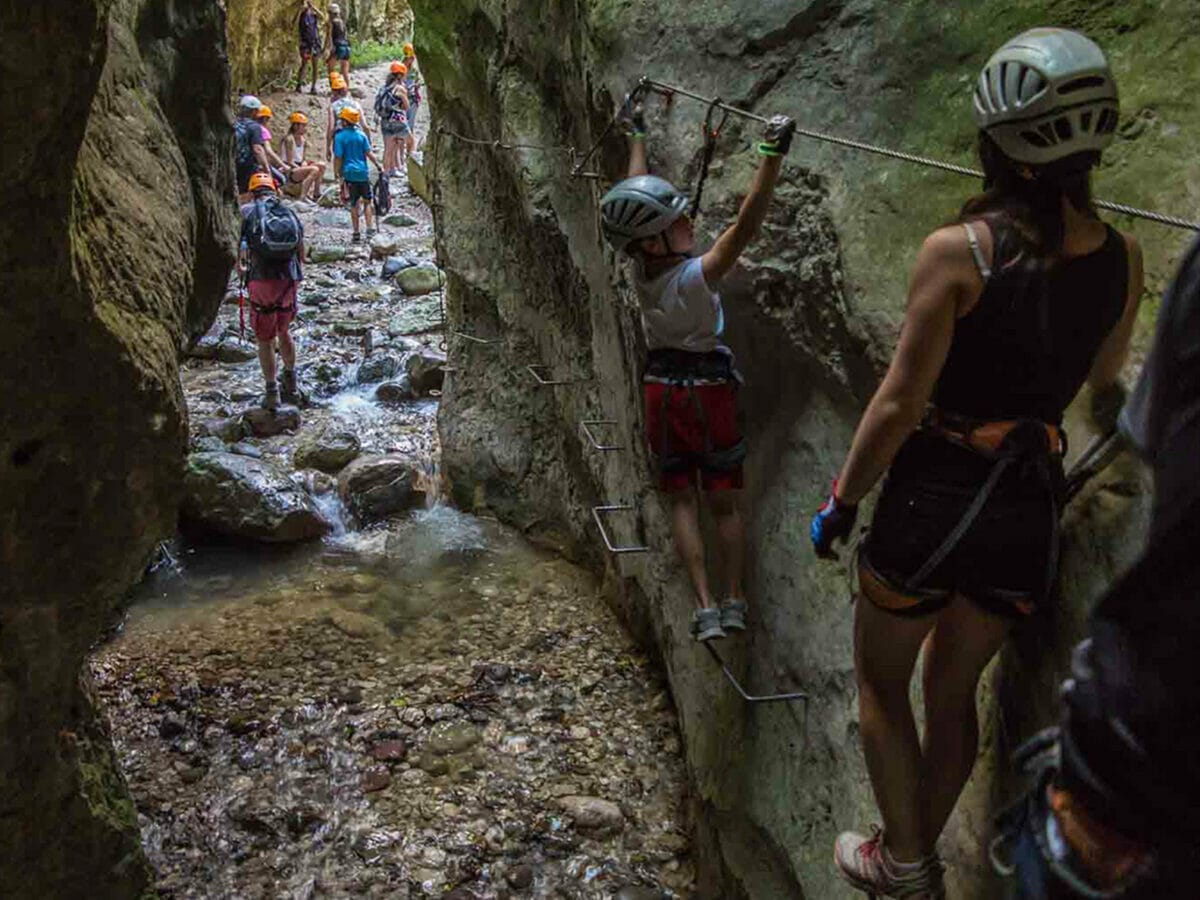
<point x="389" y="653"/>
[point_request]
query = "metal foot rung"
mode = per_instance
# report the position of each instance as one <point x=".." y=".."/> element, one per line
<point x="752" y="698"/>
<point x="475" y="340"/>
<point x="533" y="370"/>
<point x="586" y="427"/>
<point x="611" y="508"/>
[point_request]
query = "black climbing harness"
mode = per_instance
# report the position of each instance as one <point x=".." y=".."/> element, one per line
<point x="680" y="370"/>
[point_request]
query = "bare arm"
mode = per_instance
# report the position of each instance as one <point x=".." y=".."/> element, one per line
<point x="274" y="158"/>
<point x="637" y="156"/>
<point x="260" y="153"/>
<point x="1115" y="348"/>
<point x="943" y="279"/>
<point x="729" y="246"/>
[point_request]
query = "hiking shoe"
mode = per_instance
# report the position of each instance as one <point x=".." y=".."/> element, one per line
<point x="868" y="866"/>
<point x="270" y="398"/>
<point x="289" y="390"/>
<point x="371" y="232"/>
<point x="356" y="238"/>
<point x="706" y="624"/>
<point x="733" y="614"/>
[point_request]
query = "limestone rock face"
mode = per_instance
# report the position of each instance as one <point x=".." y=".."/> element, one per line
<point x="812" y="313"/>
<point x="119" y="182"/>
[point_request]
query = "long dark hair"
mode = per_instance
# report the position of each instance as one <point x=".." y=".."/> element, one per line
<point x="1032" y="207"/>
<point x="392" y="78"/>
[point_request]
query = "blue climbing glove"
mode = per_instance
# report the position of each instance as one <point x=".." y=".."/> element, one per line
<point x="834" y="520"/>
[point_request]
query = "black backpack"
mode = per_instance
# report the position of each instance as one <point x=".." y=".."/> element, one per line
<point x="382" y="195"/>
<point x="245" y="150"/>
<point x="275" y="231"/>
<point x="383" y="103"/>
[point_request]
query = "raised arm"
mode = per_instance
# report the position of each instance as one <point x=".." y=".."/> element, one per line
<point x="729" y="246"/>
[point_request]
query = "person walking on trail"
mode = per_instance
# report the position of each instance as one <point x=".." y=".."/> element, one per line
<point x="337" y="41"/>
<point x="1108" y="779"/>
<point x="272" y="247"/>
<point x="250" y="154"/>
<point x="691" y="384"/>
<point x="391" y="110"/>
<point x="308" y="174"/>
<point x="339" y="99"/>
<point x="351" y="150"/>
<point x="1010" y="310"/>
<point x="412" y="84"/>
<point x="308" y="22"/>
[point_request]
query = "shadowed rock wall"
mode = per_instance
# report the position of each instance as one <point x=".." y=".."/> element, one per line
<point x="118" y="185"/>
<point x="812" y="314"/>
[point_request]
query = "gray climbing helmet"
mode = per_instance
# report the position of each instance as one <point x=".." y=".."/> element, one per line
<point x="640" y="207"/>
<point x="1047" y="94"/>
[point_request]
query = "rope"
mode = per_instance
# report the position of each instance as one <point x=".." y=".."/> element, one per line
<point x="710" y="147"/>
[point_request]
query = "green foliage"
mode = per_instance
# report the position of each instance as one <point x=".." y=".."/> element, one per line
<point x="372" y="53"/>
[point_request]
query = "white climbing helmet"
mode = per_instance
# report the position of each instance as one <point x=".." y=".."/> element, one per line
<point x="1047" y="94"/>
<point x="640" y="207"/>
<point x="250" y="102"/>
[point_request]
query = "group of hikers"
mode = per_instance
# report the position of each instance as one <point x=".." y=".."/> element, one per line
<point x="271" y="253"/>
<point x="1012" y="308"/>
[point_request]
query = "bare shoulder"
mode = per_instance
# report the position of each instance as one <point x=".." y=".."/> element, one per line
<point x="950" y="246"/>
<point x="1133" y="246"/>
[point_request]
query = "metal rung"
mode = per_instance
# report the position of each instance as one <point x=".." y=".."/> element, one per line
<point x="751" y="698"/>
<point x="596" y="512"/>
<point x="584" y="426"/>
<point x="473" y="339"/>
<point x="533" y="370"/>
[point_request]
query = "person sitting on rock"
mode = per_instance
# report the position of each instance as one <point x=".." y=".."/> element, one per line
<point x="308" y="174"/>
<point x="351" y="150"/>
<point x="249" y="145"/>
<point x="308" y="21"/>
<point x="337" y="41"/>
<point x="391" y="109"/>
<point x="691" y="384"/>
<point x="272" y="247"/>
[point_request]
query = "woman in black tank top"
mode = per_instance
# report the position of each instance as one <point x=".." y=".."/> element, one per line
<point x="1011" y="309"/>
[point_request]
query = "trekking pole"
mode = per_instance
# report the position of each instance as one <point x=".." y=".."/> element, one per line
<point x="242" y="307"/>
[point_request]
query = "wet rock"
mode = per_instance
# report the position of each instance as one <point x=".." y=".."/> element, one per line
<point x="327" y="452"/>
<point x="520" y="876"/>
<point x="326" y="254"/>
<point x="241" y="448"/>
<point x="424" y="279"/>
<point x="394" y="264"/>
<point x="356" y="625"/>
<point x="236" y="352"/>
<point x="351" y="329"/>
<point x="270" y="422"/>
<point x="383" y="246"/>
<point x="395" y="391"/>
<point x="375" y="780"/>
<point x="593" y="812"/>
<point x="452" y="737"/>
<point x="416" y="316"/>
<point x="229" y="430"/>
<point x="247" y="498"/>
<point x="171" y="725"/>
<point x="426" y="370"/>
<point x="331" y="199"/>
<point x="210" y="443"/>
<point x="389" y="751"/>
<point x="327" y="374"/>
<point x="400" y="220"/>
<point x="374" y="487"/>
<point x="205" y="347"/>
<point x="378" y="368"/>
<point x="335" y="218"/>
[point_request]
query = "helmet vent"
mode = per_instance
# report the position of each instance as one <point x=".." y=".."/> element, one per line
<point x="1034" y="138"/>
<point x="1108" y="121"/>
<point x="1079" y="84"/>
<point x="1062" y="128"/>
<point x="1047" y="132"/>
<point x="1085" y="122"/>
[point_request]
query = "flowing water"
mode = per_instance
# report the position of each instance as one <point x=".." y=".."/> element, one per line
<point x="423" y="709"/>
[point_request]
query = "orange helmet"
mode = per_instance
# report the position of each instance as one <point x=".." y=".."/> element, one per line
<point x="408" y="50"/>
<point x="298" y="118"/>
<point x="399" y="68"/>
<point x="261" y="180"/>
<point x="350" y="114"/>
<point x="264" y="112"/>
<point x="337" y="81"/>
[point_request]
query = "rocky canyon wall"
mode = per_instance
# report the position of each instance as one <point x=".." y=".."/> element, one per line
<point x="263" y="42"/>
<point x="118" y="182"/>
<point x="812" y="313"/>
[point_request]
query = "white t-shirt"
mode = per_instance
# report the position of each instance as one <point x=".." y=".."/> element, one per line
<point x="680" y="311"/>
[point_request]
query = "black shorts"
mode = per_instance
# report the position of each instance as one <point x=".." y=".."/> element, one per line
<point x="359" y="190"/>
<point x="1002" y="562"/>
<point x="310" y="47"/>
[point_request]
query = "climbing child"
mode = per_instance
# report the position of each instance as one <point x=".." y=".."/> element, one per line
<point x="351" y="150"/>
<point x="304" y="172"/>
<point x="1010" y="310"/>
<point x="691" y="384"/>
<point x="272" y="246"/>
<point x="391" y="110"/>
<point x="308" y="23"/>
<point x="337" y="41"/>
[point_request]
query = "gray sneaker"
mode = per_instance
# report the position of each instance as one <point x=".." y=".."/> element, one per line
<point x="706" y="624"/>
<point x="733" y="614"/>
<point x="270" y="398"/>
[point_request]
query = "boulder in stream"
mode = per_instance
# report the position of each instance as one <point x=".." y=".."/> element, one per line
<point x="328" y="452"/>
<point x="377" y="368"/>
<point x="374" y="487"/>
<point x="326" y="254"/>
<point x="383" y="246"/>
<point x="424" y="279"/>
<point x="400" y="220"/>
<point x="270" y="422"/>
<point x="395" y="391"/>
<point x="247" y="498"/>
<point x="426" y="370"/>
<point x="394" y="264"/>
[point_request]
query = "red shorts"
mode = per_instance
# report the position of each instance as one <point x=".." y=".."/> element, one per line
<point x="678" y="419"/>
<point x="272" y="307"/>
